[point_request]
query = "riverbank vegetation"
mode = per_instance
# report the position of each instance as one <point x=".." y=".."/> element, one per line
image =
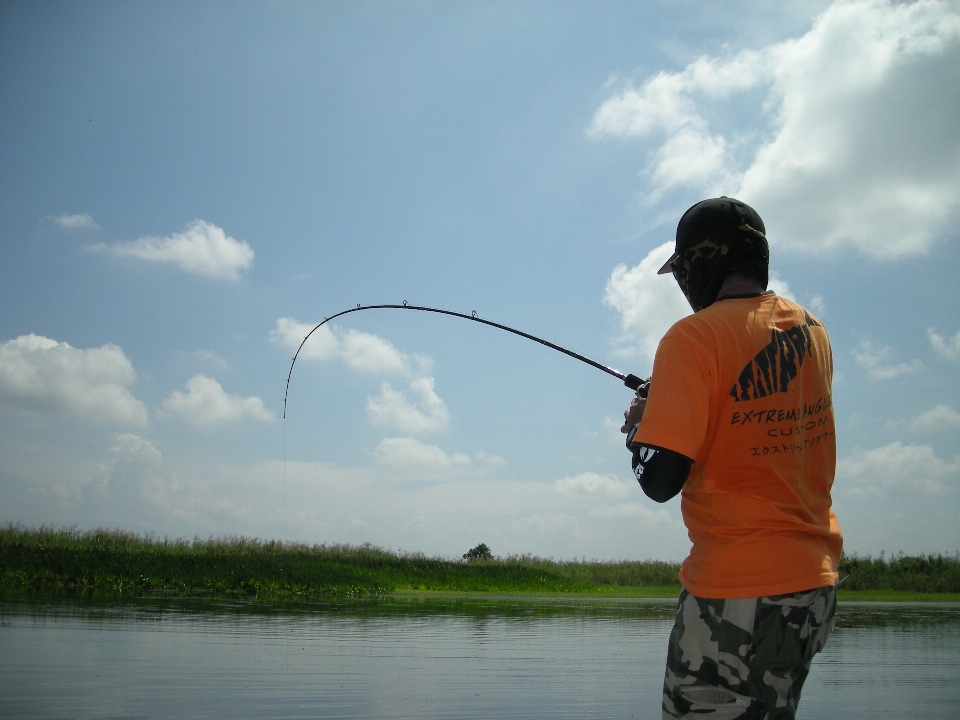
<point x="59" y="559"/>
<point x="117" y="561"/>
<point x="901" y="573"/>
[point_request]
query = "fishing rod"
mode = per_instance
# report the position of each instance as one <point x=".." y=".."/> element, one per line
<point x="631" y="381"/>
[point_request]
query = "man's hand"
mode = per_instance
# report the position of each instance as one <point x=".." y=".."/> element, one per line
<point x="632" y="414"/>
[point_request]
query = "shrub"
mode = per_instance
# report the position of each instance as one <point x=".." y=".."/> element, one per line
<point x="480" y="552"/>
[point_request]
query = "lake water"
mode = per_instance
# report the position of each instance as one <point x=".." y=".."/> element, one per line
<point x="426" y="658"/>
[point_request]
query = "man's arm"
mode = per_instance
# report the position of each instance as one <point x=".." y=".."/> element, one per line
<point x="660" y="472"/>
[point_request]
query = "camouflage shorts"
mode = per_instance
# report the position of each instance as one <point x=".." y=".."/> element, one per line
<point x="744" y="658"/>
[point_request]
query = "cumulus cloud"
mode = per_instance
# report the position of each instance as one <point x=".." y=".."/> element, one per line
<point x="648" y="303"/>
<point x="817" y="305"/>
<point x="856" y="142"/>
<point x="41" y="375"/>
<point x="590" y="483"/>
<point x="896" y="468"/>
<point x="780" y="287"/>
<point x="130" y="487"/>
<point x="938" y="419"/>
<point x="76" y="222"/>
<point x="360" y="351"/>
<point x="201" y="248"/>
<point x="211" y="358"/>
<point x="611" y="425"/>
<point x="558" y="523"/>
<point x="689" y="157"/>
<point x="205" y="404"/>
<point x="417" y="410"/>
<point x="633" y="510"/>
<point x="947" y="347"/>
<point x="876" y="361"/>
<point x="407" y="452"/>
<point x="132" y="463"/>
<point x="487" y="459"/>
<point x="130" y="445"/>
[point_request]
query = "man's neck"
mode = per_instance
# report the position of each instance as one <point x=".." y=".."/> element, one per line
<point x="735" y="285"/>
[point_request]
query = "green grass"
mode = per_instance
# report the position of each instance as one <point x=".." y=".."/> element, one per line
<point x="58" y="559"/>
<point x="894" y="596"/>
<point x="935" y="574"/>
<point x="116" y="561"/>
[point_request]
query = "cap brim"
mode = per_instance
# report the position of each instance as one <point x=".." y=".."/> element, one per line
<point x="667" y="268"/>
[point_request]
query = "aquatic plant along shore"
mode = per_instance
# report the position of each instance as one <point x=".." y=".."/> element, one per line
<point x="926" y="574"/>
<point x="67" y="559"/>
<point x="117" y="561"/>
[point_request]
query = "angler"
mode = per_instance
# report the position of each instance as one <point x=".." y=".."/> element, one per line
<point x="759" y="586"/>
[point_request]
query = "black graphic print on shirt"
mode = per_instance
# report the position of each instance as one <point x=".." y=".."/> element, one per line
<point x="777" y="364"/>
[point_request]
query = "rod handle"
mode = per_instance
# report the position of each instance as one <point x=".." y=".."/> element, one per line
<point x="635" y="383"/>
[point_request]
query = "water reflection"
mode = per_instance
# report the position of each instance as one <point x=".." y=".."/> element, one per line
<point x="424" y="657"/>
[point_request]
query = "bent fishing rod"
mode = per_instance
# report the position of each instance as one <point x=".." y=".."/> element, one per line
<point x="631" y="381"/>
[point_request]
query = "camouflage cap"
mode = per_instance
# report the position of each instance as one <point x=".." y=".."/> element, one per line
<point x="723" y="218"/>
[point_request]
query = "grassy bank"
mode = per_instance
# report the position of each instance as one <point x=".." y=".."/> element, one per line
<point x="900" y="578"/>
<point x="115" y="561"/>
<point x="917" y="574"/>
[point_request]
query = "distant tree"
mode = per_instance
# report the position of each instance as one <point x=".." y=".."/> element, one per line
<point x="480" y="552"/>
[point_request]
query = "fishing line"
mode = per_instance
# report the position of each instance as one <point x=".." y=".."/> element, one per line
<point x="631" y="381"/>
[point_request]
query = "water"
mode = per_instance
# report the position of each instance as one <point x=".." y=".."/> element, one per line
<point x="426" y="658"/>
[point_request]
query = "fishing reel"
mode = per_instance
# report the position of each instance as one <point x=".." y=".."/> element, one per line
<point x="642" y="387"/>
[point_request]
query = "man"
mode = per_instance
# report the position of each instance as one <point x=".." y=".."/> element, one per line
<point x="739" y="421"/>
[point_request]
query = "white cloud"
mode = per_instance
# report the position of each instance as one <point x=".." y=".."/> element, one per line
<point x="611" y="425"/>
<point x="425" y="412"/>
<point x="443" y="508"/>
<point x="664" y="102"/>
<point x="876" y="361"/>
<point x="635" y="510"/>
<point x="817" y="305"/>
<point x="780" y="287"/>
<point x="130" y="489"/>
<point x="938" y="419"/>
<point x="896" y="468"/>
<point x="133" y="463"/>
<point x="689" y="157"/>
<point x="406" y="452"/>
<point x="202" y="249"/>
<point x="416" y="410"/>
<point x="648" y="303"/>
<point x="130" y="445"/>
<point x="945" y="346"/>
<point x="212" y="358"/>
<point x="42" y="375"/>
<point x="76" y="222"/>
<point x="856" y="142"/>
<point x="205" y="404"/>
<point x="487" y="459"/>
<point x="360" y="351"/>
<point x="590" y="483"/>
<point x="559" y="523"/>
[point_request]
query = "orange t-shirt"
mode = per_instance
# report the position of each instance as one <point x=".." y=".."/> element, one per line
<point x="744" y="389"/>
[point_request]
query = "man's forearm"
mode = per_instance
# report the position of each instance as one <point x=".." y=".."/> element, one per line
<point x="660" y="472"/>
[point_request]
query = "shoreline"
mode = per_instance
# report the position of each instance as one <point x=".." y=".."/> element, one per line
<point x="660" y="595"/>
<point x="50" y="560"/>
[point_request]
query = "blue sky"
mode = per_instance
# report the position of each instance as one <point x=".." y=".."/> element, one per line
<point x="187" y="188"/>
